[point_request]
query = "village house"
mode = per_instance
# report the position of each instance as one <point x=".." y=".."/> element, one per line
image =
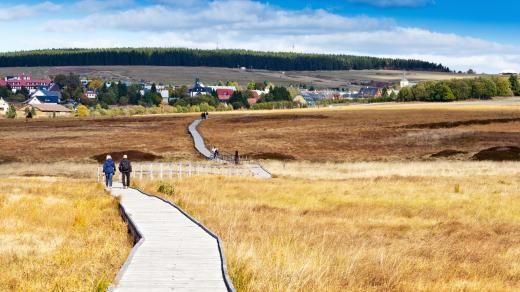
<point x="368" y="91"/>
<point x="90" y="93"/>
<point x="43" y="110"/>
<point x="255" y="98"/>
<point x="200" y="89"/>
<point x="4" y="106"/>
<point x="25" y="81"/>
<point x="45" y="96"/>
<point x="224" y="94"/>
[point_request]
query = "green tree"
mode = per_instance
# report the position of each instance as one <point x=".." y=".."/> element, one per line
<point x="251" y="85"/>
<point x="461" y="88"/>
<point x="5" y="92"/>
<point x="151" y="98"/>
<point x="61" y="80"/>
<point x="238" y="100"/>
<point x="405" y="94"/>
<point x="134" y="94"/>
<point x="24" y="91"/>
<point x="515" y="85"/>
<point x="30" y="112"/>
<point x="503" y="86"/>
<point x="442" y="92"/>
<point x="385" y="92"/>
<point x="11" y="112"/>
<point x="122" y="89"/>
<point x="154" y="88"/>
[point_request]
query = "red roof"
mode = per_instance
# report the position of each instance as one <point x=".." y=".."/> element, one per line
<point x="29" y="82"/>
<point x="224" y="94"/>
<point x="252" y="100"/>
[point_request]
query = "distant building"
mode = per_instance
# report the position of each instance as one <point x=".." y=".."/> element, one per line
<point x="368" y="91"/>
<point x="508" y="72"/>
<point x="45" y="96"/>
<point x="45" y="110"/>
<point x="200" y="89"/>
<point x="224" y="94"/>
<point x="4" y="106"/>
<point x="91" y="93"/>
<point x="165" y="94"/>
<point x="404" y="82"/>
<point x="21" y="81"/>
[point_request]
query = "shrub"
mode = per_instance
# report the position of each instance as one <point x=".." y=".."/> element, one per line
<point x="166" y="189"/>
<point x="83" y="111"/>
<point x="11" y="112"/>
<point x="194" y="109"/>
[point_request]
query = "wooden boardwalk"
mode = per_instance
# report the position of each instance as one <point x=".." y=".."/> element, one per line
<point x="173" y="250"/>
<point x="198" y="141"/>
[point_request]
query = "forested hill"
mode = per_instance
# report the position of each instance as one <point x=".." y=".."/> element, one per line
<point x="209" y="58"/>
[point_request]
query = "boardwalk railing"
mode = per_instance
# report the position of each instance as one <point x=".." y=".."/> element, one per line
<point x="178" y="170"/>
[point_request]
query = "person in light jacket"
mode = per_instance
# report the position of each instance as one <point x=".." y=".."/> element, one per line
<point x="125" y="167"/>
<point x="109" y="168"/>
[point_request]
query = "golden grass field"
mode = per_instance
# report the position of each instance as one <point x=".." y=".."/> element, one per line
<point x="378" y="232"/>
<point x="59" y="234"/>
<point x="360" y="205"/>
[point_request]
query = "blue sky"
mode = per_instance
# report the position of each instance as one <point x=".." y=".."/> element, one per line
<point x="461" y="34"/>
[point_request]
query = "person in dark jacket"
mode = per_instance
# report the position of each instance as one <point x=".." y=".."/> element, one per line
<point x="109" y="168"/>
<point x="125" y="167"/>
<point x="237" y="158"/>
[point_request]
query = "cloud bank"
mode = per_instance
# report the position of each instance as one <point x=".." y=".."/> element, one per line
<point x="255" y="25"/>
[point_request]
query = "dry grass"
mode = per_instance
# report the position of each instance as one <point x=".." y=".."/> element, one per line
<point x="376" y="233"/>
<point x="59" y="235"/>
<point x="77" y="140"/>
<point x="342" y="171"/>
<point x="56" y="169"/>
<point x="364" y="133"/>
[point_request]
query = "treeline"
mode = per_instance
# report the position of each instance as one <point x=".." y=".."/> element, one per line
<point x="211" y="58"/>
<point x="461" y="89"/>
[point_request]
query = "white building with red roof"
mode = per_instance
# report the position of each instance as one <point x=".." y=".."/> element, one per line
<point x="20" y="81"/>
<point x="224" y="94"/>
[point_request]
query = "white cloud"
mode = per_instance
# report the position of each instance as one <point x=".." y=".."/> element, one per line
<point x="23" y="11"/>
<point x="253" y="25"/>
<point x="395" y="3"/>
<point x="100" y="5"/>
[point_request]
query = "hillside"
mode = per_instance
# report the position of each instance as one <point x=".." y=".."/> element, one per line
<point x="281" y="61"/>
<point x="210" y="75"/>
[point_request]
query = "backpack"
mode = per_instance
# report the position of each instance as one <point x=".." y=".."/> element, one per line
<point x="124" y="166"/>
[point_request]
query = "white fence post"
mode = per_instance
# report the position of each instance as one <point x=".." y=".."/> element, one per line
<point x="180" y="171"/>
<point x="141" y="171"/>
<point x="151" y="172"/>
<point x="161" y="169"/>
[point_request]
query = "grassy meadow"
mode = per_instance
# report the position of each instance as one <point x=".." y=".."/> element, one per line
<point x="382" y="231"/>
<point x="59" y="235"/>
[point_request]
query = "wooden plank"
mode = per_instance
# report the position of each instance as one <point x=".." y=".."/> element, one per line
<point x="174" y="253"/>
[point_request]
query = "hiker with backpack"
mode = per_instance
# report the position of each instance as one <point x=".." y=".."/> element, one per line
<point x="109" y="169"/>
<point x="125" y="167"/>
